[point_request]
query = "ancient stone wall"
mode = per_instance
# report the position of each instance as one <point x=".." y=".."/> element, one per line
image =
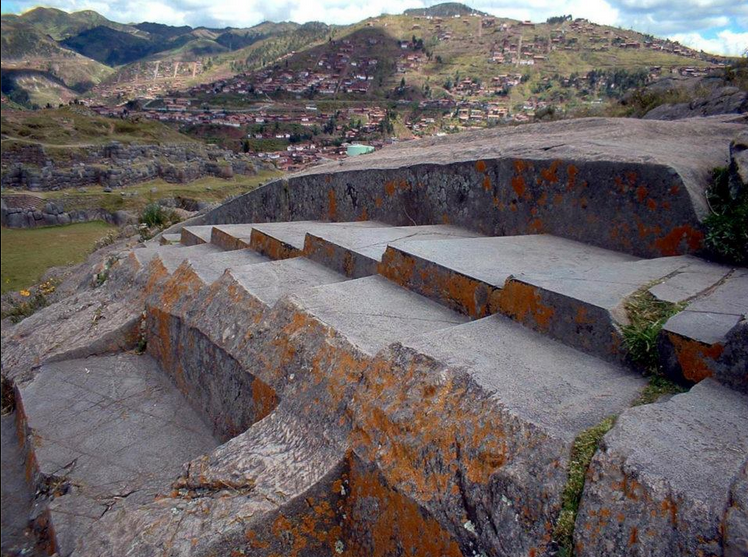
<point x="116" y="165"/>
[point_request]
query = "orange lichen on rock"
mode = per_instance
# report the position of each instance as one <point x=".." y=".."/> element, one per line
<point x="487" y="183"/>
<point x="332" y="205"/>
<point x="571" y="172"/>
<point x="272" y="247"/>
<point x="550" y="174"/>
<point x="400" y="527"/>
<point x="459" y="292"/>
<point x="389" y="188"/>
<point x="518" y="185"/>
<point x="695" y="358"/>
<point x="671" y="244"/>
<point x="535" y="226"/>
<point x="397" y="267"/>
<point x="523" y="303"/>
<point x="264" y="397"/>
<point x="480" y="166"/>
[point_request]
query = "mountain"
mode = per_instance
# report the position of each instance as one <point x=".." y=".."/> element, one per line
<point x="60" y="25"/>
<point x="109" y="46"/>
<point x="78" y="50"/>
<point x="420" y="54"/>
<point x="446" y="9"/>
<point x="25" y="48"/>
<point x="163" y="31"/>
<point x="209" y="58"/>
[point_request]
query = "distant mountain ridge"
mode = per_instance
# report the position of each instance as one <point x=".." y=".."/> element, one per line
<point x="85" y="49"/>
<point x="446" y="9"/>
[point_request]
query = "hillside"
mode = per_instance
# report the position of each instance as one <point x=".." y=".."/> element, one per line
<point x="445" y="9"/>
<point x="427" y="58"/>
<point x="83" y="48"/>
<point x="211" y="59"/>
<point x="35" y="88"/>
<point x="26" y="48"/>
<point x="75" y="126"/>
<point x="60" y="25"/>
<point x="445" y="51"/>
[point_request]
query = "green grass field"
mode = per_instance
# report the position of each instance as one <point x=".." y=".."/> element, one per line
<point x="28" y="254"/>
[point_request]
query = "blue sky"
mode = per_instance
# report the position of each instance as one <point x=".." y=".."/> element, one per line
<point x="718" y="26"/>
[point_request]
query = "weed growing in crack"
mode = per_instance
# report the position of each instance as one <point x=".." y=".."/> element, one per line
<point x="647" y="315"/>
<point x="584" y="448"/>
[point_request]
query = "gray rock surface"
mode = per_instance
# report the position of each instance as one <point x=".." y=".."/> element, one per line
<point x="663" y="480"/>
<point x="724" y="100"/>
<point x="628" y="185"/>
<point x="17" y="496"/>
<point x="102" y="430"/>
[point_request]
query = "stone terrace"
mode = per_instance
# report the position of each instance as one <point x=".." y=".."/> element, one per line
<point x="376" y="358"/>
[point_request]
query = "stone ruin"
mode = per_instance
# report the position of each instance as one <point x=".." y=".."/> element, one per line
<point x="115" y="165"/>
<point x="396" y="354"/>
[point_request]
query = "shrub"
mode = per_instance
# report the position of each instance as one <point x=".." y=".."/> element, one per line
<point x="154" y="215"/>
<point x="727" y="224"/>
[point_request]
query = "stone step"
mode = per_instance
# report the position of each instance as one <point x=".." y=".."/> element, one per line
<point x="670" y="479"/>
<point x="211" y="266"/>
<point x="281" y="240"/>
<point x="710" y="337"/>
<point x="373" y="312"/>
<point x="271" y="281"/>
<point x="468" y="274"/>
<point x="231" y="236"/>
<point x="144" y="255"/>
<point x="357" y="252"/>
<point x="485" y="413"/>
<point x="585" y="307"/>
<point x="195" y="235"/>
<point x="221" y="325"/>
<point x="172" y="257"/>
<point x="276" y="489"/>
<point x="169" y="239"/>
<point x="102" y="430"/>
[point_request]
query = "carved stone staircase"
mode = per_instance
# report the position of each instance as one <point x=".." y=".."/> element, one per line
<point x="365" y="388"/>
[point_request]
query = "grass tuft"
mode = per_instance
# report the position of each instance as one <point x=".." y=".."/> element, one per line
<point x="657" y="387"/>
<point x="584" y="448"/>
<point x="647" y="315"/>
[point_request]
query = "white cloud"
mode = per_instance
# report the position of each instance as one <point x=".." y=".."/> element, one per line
<point x="726" y="42"/>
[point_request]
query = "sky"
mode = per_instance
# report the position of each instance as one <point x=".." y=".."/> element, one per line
<point x="717" y="26"/>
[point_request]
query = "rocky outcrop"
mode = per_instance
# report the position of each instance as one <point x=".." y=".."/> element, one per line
<point x="724" y="100"/>
<point x="40" y="213"/>
<point x="396" y="390"/>
<point x="34" y="167"/>
<point x="622" y="184"/>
